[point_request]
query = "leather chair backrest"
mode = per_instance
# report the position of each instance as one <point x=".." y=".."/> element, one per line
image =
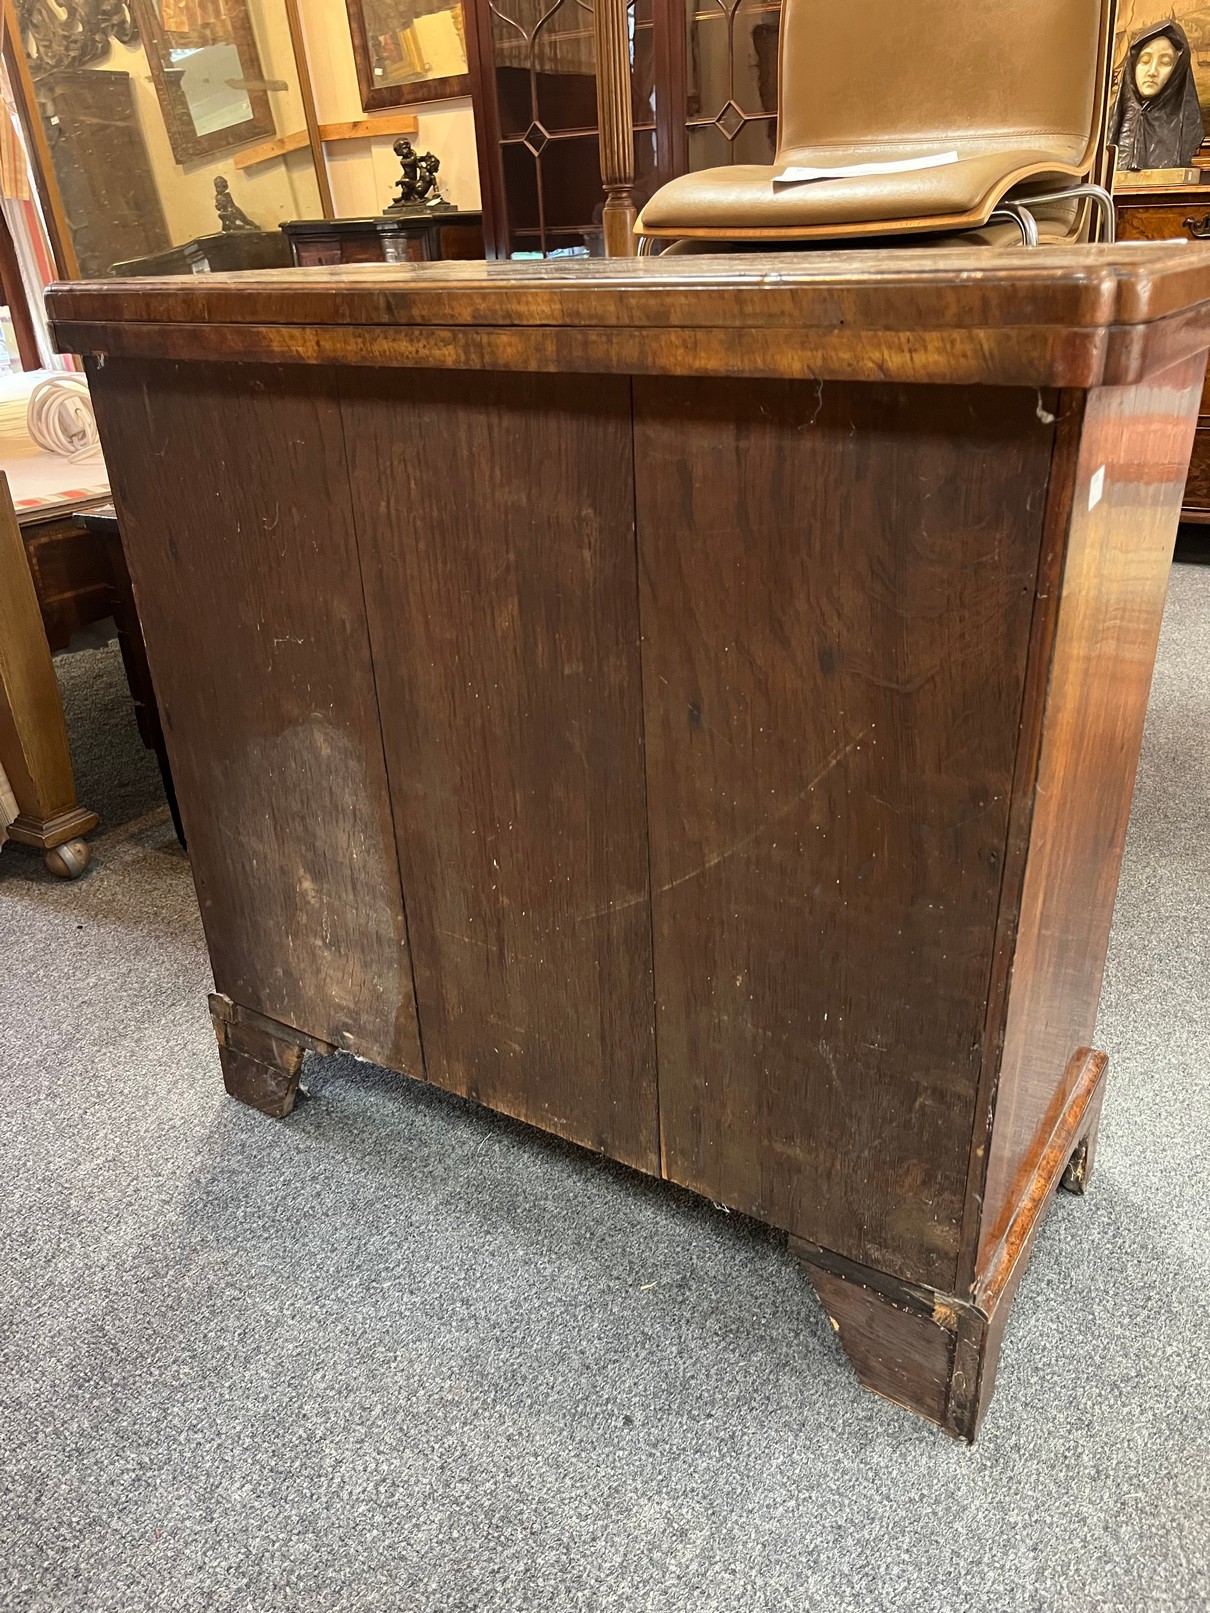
<point x="940" y="74"/>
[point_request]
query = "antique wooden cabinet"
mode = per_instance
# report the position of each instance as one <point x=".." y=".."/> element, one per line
<point x="225" y="251"/>
<point x="691" y="705"/>
<point x="1174" y="214"/>
<point x="386" y="238"/>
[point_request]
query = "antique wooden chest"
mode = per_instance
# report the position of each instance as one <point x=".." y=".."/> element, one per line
<point x="691" y="705"/>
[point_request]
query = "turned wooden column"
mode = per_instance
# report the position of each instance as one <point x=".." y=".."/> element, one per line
<point x="616" y="122"/>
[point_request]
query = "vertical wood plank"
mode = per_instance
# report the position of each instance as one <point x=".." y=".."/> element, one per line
<point x="232" y="492"/>
<point x="496" y="524"/>
<point x="837" y="588"/>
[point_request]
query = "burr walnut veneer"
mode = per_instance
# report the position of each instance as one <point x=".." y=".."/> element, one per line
<point x="691" y="705"/>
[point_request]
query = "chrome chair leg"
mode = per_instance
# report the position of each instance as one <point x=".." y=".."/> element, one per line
<point x="1096" y="194"/>
<point x="1024" y="221"/>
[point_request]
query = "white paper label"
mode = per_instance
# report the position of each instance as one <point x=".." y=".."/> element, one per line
<point x="1096" y="488"/>
<point x="859" y="170"/>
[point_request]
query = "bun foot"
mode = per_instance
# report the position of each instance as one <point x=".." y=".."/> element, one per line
<point x="67" y="861"/>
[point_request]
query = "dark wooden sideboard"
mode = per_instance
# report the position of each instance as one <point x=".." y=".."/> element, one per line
<point x="1180" y="213"/>
<point x="386" y="238"/>
<point x="225" y="250"/>
<point x="691" y="705"/>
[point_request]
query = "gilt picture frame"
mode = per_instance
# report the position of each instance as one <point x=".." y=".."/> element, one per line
<point x="408" y="51"/>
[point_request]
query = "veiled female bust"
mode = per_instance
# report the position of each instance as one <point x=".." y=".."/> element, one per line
<point x="1156" y="120"/>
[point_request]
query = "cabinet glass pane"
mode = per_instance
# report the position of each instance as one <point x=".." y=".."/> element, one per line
<point x="754" y="57"/>
<point x="730" y="79"/>
<point x="642" y="63"/>
<point x="545" y="65"/>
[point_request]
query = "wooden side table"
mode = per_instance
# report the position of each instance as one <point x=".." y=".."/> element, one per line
<point x="33" y="735"/>
<point x="102" y="526"/>
<point x="388" y="238"/>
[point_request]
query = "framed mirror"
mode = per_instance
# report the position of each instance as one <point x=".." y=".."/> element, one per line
<point x="207" y="74"/>
<point x="408" y="51"/>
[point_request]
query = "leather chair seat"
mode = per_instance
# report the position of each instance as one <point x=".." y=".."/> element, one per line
<point x="1059" y="224"/>
<point x="742" y="201"/>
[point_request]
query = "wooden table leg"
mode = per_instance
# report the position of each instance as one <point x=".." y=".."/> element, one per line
<point x="33" y="734"/>
<point x="103" y="524"/>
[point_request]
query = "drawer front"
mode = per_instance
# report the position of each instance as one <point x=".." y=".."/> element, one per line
<point x="1197" y="488"/>
<point x="311" y="254"/>
<point x="1167" y="223"/>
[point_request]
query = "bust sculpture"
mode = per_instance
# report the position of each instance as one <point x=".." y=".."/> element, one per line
<point x="1156" y="120"/>
<point x="231" y="216"/>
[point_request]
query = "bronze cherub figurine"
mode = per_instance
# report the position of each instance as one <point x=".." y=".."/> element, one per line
<point x="417" y="183"/>
<point x="231" y="216"/>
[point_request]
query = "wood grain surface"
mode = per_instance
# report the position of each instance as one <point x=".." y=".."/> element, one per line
<point x="233" y="497"/>
<point x="1116" y="548"/>
<point x="495" y="516"/>
<point x="1006" y="355"/>
<point x="1103" y="315"/>
<point x="1095" y="287"/>
<point x="33" y="735"/>
<point x="837" y="589"/>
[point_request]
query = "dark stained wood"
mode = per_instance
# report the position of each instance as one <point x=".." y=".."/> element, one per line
<point x="261" y="1060"/>
<point x="937" y="1353"/>
<point x="485" y="104"/>
<point x="905" y="1355"/>
<point x="1006" y="356"/>
<point x="505" y="635"/>
<point x="836" y="595"/>
<point x="520" y="638"/>
<point x="388" y="238"/>
<point x="80" y="577"/>
<point x="1078" y="1172"/>
<point x="244" y="562"/>
<point x="101" y="524"/>
<point x="223" y="251"/>
<point x="1069" y="412"/>
<point x="70" y="568"/>
<point x="1162" y="214"/>
<point x="907" y="316"/>
<point x="1109" y="605"/>
<point x="1196" y="506"/>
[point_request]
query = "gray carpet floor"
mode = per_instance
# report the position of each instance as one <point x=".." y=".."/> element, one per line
<point x="398" y="1354"/>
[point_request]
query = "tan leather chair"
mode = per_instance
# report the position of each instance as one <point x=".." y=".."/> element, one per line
<point x="1019" y="91"/>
